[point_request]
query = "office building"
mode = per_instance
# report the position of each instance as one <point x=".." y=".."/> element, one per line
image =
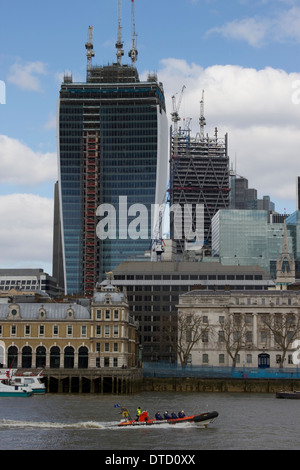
<point x="199" y="176"/>
<point x="251" y="313"/>
<point x="25" y="280"/>
<point x="243" y="197"/>
<point x="113" y="159"/>
<point x="153" y="290"/>
<point x="249" y="237"/>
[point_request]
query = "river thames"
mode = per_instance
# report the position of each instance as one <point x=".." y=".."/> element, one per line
<point x="89" y="422"/>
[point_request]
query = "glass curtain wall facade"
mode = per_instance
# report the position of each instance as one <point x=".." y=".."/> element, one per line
<point x="112" y="144"/>
<point x="246" y="237"/>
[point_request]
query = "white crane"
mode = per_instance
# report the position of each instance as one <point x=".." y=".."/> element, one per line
<point x="202" y="118"/>
<point x="89" y="49"/>
<point x="175" y="114"/>
<point x="119" y="44"/>
<point x="133" y="51"/>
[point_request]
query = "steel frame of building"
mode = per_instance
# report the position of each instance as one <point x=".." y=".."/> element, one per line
<point x="199" y="174"/>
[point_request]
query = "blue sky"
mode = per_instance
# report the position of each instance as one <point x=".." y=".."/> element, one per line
<point x="243" y="53"/>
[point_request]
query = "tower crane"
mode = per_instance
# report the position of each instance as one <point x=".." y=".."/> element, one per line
<point x="133" y="51"/>
<point x="119" y="44"/>
<point x="202" y="121"/>
<point x="175" y="114"/>
<point x="89" y="49"/>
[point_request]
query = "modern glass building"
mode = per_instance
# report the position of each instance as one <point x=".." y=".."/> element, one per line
<point x="247" y="237"/>
<point x="113" y="159"/>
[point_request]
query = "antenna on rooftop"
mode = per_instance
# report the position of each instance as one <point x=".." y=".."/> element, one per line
<point x="119" y="44"/>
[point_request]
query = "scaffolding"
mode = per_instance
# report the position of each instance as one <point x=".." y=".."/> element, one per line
<point x="199" y="172"/>
<point x="90" y="243"/>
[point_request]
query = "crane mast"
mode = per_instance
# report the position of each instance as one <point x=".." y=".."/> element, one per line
<point x="119" y="44"/>
<point x="202" y="118"/>
<point x="175" y="114"/>
<point x="89" y="49"/>
<point x="133" y="52"/>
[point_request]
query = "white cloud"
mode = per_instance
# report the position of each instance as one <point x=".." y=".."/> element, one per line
<point x="22" y="166"/>
<point x="26" y="231"/>
<point x="26" y="76"/>
<point x="280" y="26"/>
<point x="256" y="108"/>
<point x="252" y="30"/>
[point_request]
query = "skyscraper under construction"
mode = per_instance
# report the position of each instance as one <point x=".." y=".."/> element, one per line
<point x="112" y="147"/>
<point x="199" y="175"/>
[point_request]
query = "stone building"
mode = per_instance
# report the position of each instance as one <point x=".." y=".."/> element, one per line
<point x="255" y="309"/>
<point x="68" y="334"/>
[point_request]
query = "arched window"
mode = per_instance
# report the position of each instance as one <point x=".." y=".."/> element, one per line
<point x="69" y="357"/>
<point x="40" y="356"/>
<point x="83" y="357"/>
<point x="54" y="357"/>
<point x="12" y="357"/>
<point x="26" y="357"/>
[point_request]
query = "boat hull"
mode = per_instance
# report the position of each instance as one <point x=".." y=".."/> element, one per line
<point x="203" y="418"/>
<point x="290" y="395"/>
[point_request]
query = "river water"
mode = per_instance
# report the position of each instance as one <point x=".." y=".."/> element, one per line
<point x="89" y="422"/>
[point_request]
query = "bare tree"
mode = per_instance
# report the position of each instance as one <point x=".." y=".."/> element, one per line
<point x="234" y="331"/>
<point x="190" y="329"/>
<point x="285" y="329"/>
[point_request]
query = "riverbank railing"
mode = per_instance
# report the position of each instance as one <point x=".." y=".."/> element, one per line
<point x="153" y="369"/>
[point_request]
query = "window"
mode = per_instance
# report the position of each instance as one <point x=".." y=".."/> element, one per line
<point x="263" y="336"/>
<point x="205" y="358"/>
<point x="205" y="337"/>
<point x="107" y="314"/>
<point x="106" y="330"/>
<point x="116" y="314"/>
<point x="98" y="314"/>
<point x="41" y="330"/>
<point x="55" y="330"/>
<point x="249" y="336"/>
<point x="27" y="330"/>
<point x="221" y="359"/>
<point x="83" y="330"/>
<point x="116" y="330"/>
<point x="106" y="347"/>
<point x="221" y="336"/>
<point x="115" y="360"/>
<point x="116" y="347"/>
<point x="69" y="330"/>
<point x="98" y="330"/>
<point x="249" y="358"/>
<point x="106" y="362"/>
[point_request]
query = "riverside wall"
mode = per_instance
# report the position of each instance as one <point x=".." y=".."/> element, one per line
<point x="192" y="384"/>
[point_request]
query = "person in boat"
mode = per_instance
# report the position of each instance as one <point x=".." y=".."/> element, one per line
<point x="158" y="416"/>
<point x="125" y="413"/>
<point x="174" y="415"/>
<point x="138" y="412"/>
<point x="166" y="415"/>
<point x="181" y="414"/>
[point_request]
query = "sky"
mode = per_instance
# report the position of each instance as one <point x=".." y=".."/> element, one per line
<point x="244" y="54"/>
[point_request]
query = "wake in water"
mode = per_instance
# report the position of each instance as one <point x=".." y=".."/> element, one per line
<point x="7" y="423"/>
